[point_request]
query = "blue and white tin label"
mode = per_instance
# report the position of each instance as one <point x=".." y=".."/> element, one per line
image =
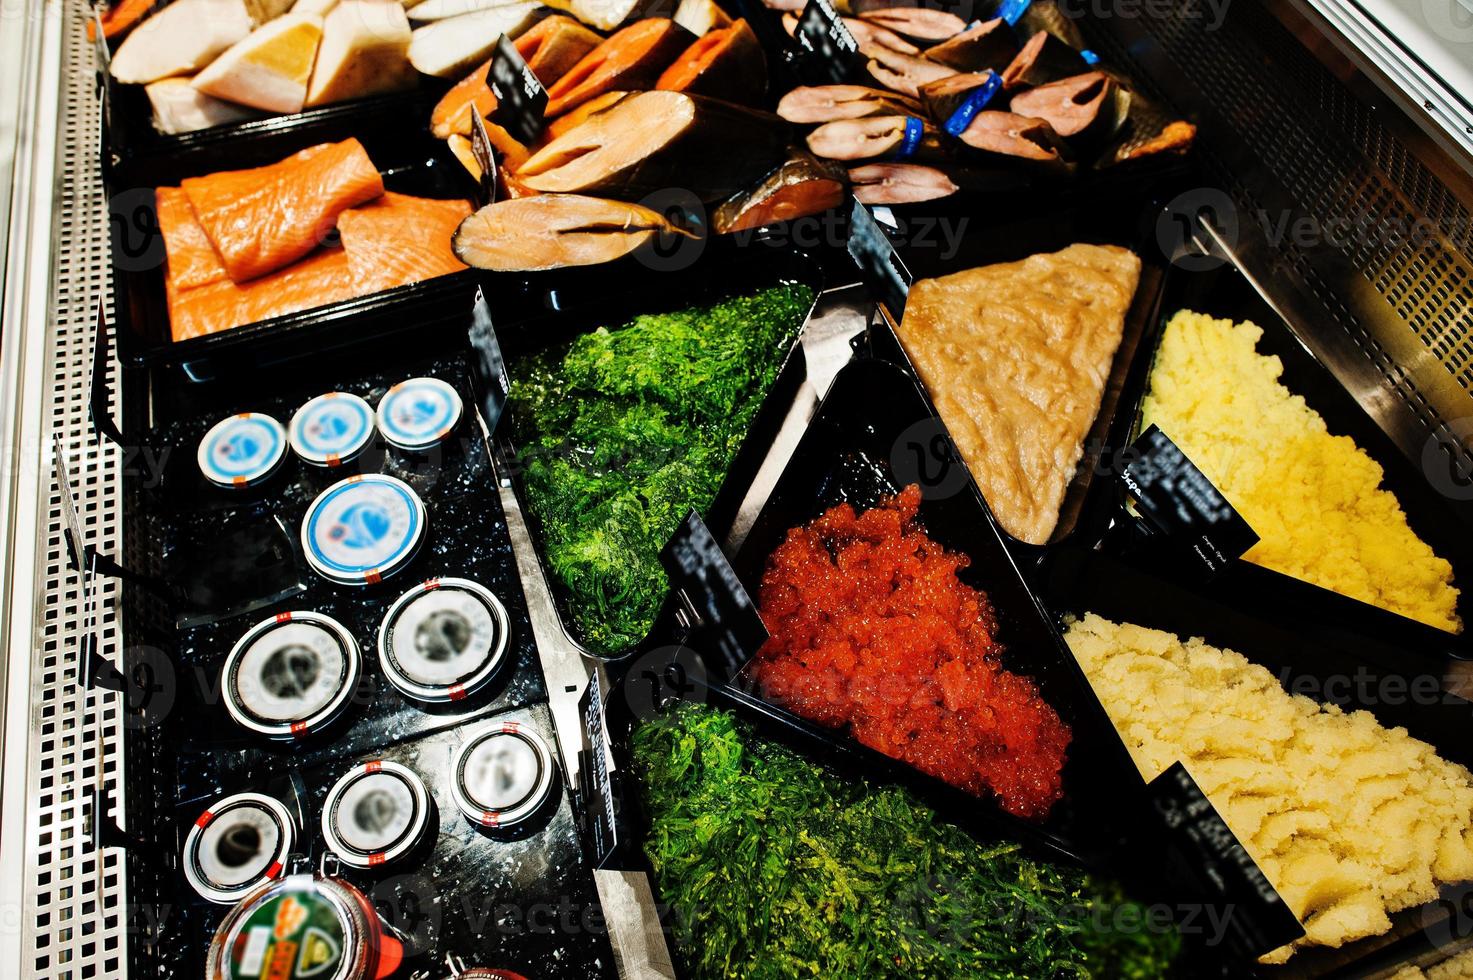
<point x="418" y="413"/>
<point x="242" y="449"/>
<point x="332" y="428"/>
<point x="363" y="529"/>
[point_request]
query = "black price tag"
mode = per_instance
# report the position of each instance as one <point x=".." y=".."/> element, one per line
<point x="521" y="101"/>
<point x="723" y="616"/>
<point x="1176" y="500"/>
<point x="879" y="264"/>
<point x="1208" y="856"/>
<point x="596" y="777"/>
<point x="490" y="364"/>
<point x="485" y="156"/>
<point x="829" y="55"/>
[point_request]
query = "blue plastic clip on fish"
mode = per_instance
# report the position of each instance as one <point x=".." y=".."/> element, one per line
<point x="1090" y="58"/>
<point x="914" y="130"/>
<point x="1013" y="10"/>
<point x="959" y="120"/>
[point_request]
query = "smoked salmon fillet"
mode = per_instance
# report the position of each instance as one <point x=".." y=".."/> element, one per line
<point x="262" y="219"/>
<point x="320" y="278"/>
<point x="400" y="239"/>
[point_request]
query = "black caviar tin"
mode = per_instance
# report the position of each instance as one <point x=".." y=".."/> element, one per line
<point x="632" y="289"/>
<point x="1438" y="518"/>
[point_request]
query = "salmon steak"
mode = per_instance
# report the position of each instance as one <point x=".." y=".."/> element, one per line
<point x="400" y="239"/>
<point x="265" y="218"/>
<point x="550" y="49"/>
<point x="632" y="59"/>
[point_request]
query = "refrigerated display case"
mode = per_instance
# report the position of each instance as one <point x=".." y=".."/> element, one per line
<point x="1327" y="196"/>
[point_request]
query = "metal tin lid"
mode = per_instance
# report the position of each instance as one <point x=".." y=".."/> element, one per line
<point x="363" y="529"/>
<point x="331" y="429"/>
<point x="241" y="450"/>
<point x="375" y="814"/>
<point x="302" y="926"/>
<point x="418" y="413"/>
<point x="443" y="639"/>
<point x="291" y="675"/>
<point x="239" y="842"/>
<point x="502" y="775"/>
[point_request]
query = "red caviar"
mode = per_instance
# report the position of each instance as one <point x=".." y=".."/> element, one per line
<point x="871" y="628"/>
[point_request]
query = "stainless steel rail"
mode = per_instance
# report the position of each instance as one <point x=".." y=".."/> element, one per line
<point x="61" y="902"/>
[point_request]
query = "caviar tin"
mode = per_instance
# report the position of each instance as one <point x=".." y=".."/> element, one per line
<point x="417" y="414"/>
<point x="443" y="640"/>
<point x="300" y="926"/>
<point x="235" y="845"/>
<point x="242" y="450"/>
<point x="363" y="529"/>
<point x="502" y="775"/>
<point x="332" y="429"/>
<point x="375" y="814"/>
<point x="291" y="675"/>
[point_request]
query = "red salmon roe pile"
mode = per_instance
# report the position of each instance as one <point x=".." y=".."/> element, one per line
<point x="871" y="628"/>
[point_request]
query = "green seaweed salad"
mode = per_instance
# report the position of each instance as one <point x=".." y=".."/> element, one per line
<point x="773" y="868"/>
<point x="623" y="430"/>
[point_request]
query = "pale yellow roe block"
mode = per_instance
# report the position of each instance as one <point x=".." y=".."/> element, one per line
<point x="1314" y="498"/>
<point x="1016" y="357"/>
<point x="1349" y="820"/>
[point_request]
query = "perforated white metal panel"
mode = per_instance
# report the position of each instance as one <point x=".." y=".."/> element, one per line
<point x="73" y="909"/>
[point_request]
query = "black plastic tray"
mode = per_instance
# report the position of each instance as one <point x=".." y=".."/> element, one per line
<point x="1013" y="237"/>
<point x="1336" y="670"/>
<point x="135" y="147"/>
<point x="725" y="270"/>
<point x="411" y="162"/>
<point x="522" y="902"/>
<point x="845" y="456"/>
<point x="184" y="751"/>
<point x="1445" y="524"/>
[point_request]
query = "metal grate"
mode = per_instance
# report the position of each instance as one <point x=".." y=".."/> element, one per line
<point x="1283" y="130"/>
<point x="74" y="912"/>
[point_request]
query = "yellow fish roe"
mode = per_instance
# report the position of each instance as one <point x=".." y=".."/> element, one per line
<point x="1349" y="820"/>
<point x="1314" y="498"/>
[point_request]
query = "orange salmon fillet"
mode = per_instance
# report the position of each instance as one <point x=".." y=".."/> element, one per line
<point x="316" y="280"/>
<point x="193" y="261"/>
<point x="400" y="239"/>
<point x="262" y="219"/>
